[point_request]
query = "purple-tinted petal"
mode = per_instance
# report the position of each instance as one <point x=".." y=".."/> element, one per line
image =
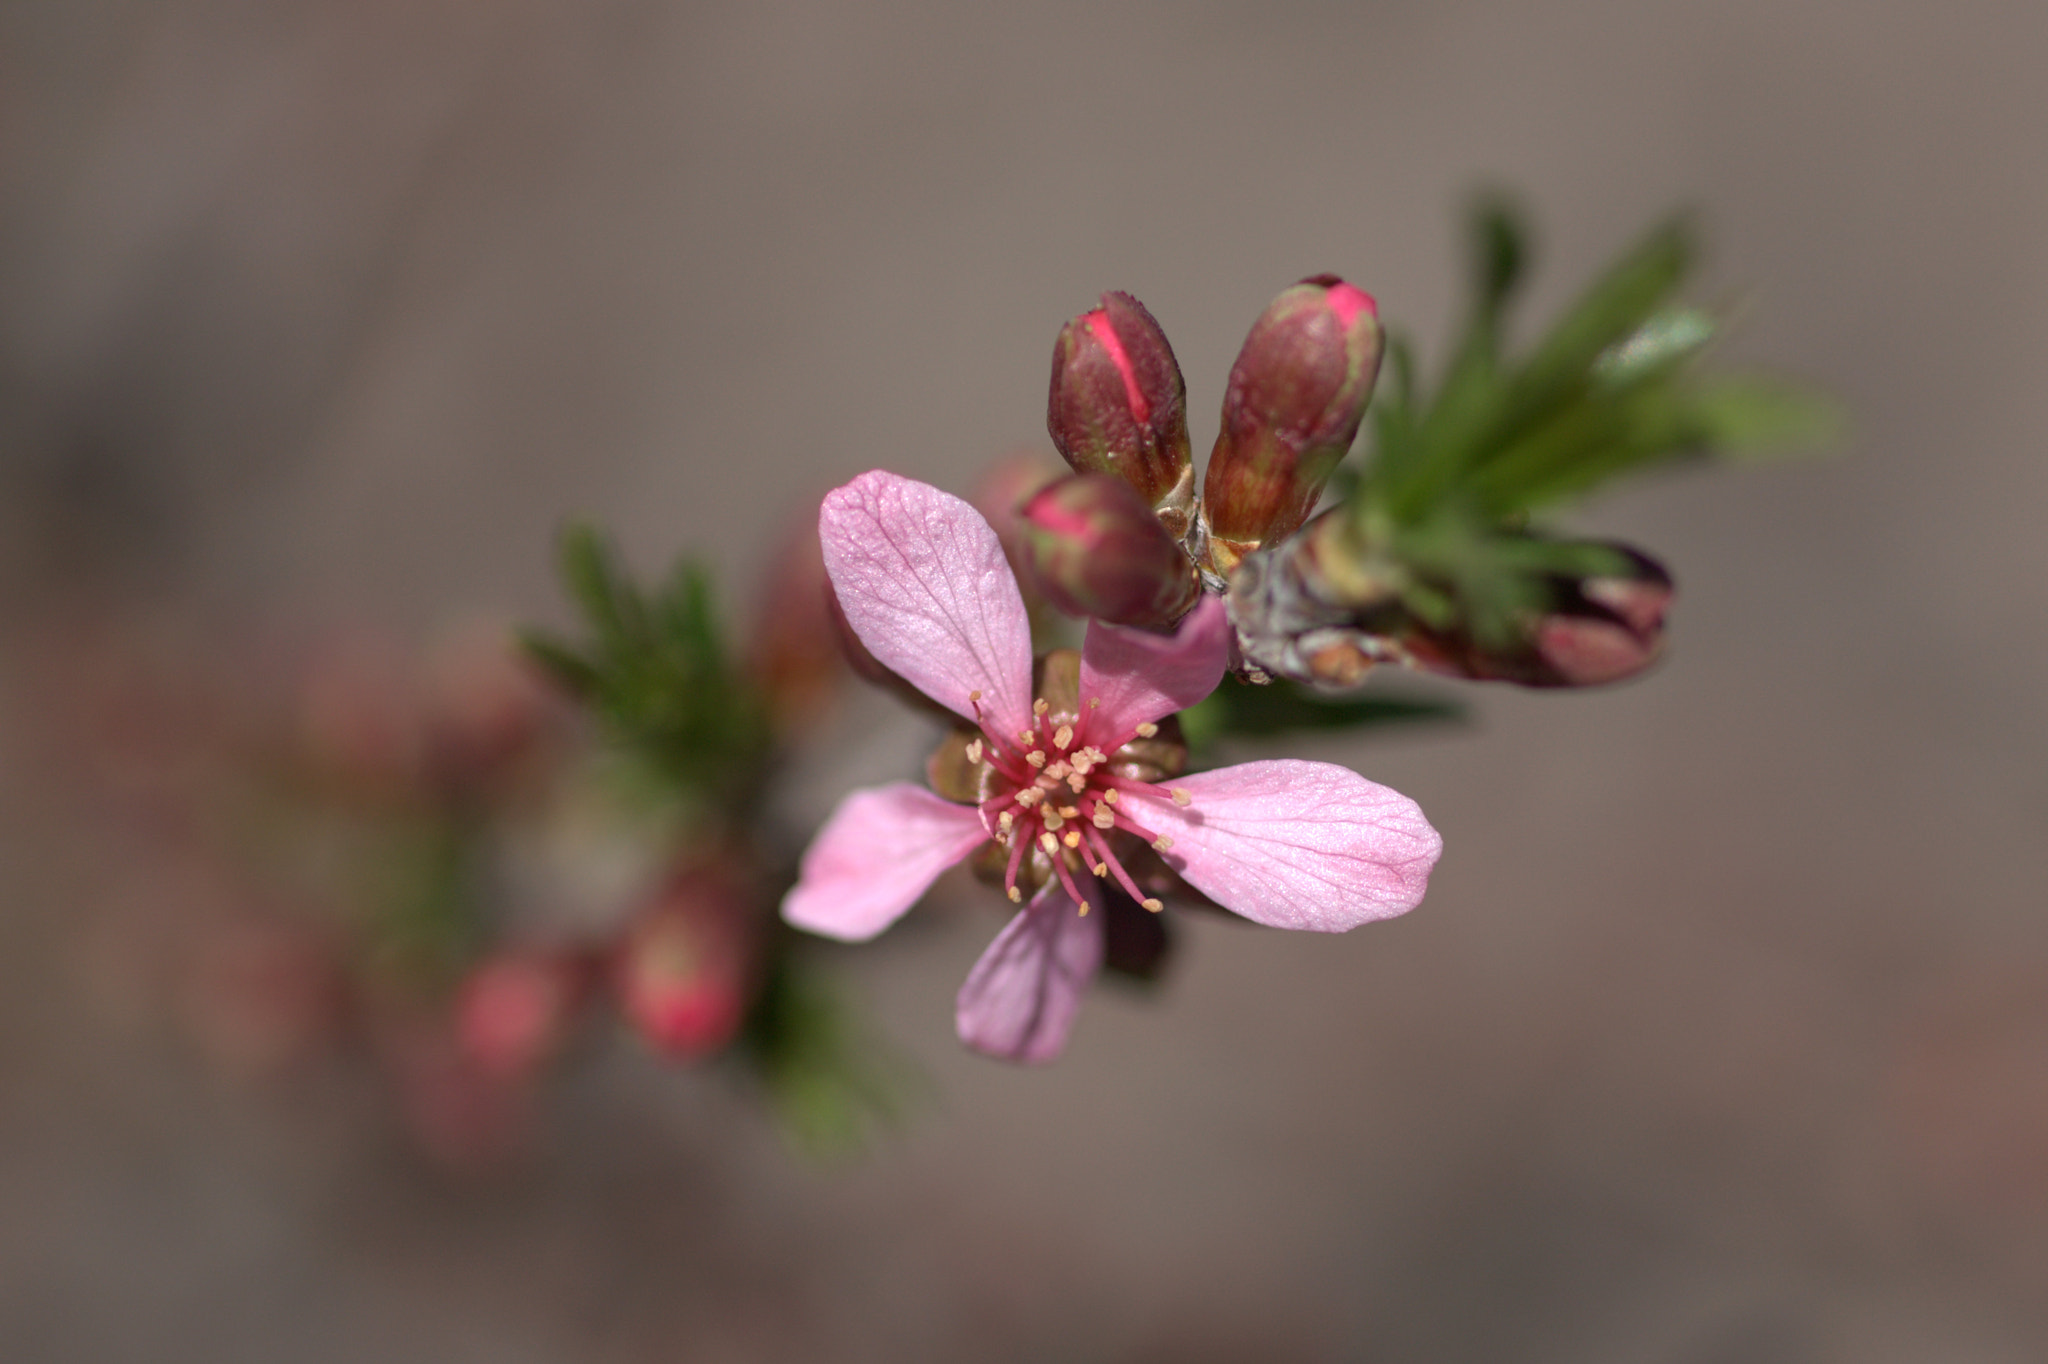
<point x="1020" y="999"/>
<point x="1298" y="844"/>
<point x="1141" y="676"/>
<point x="923" y="582"/>
<point x="881" y="849"/>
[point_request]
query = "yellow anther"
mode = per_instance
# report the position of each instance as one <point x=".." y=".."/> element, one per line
<point x="1110" y="795"/>
<point x="1147" y="730"/>
<point x="1049" y="843"/>
<point x="1036" y="757"/>
<point x="1100" y="868"/>
<point x="974" y="750"/>
<point x="1053" y="820"/>
<point x="1040" y="706"/>
<point x="1030" y="796"/>
<point x="1103" y="819"/>
<point x="1161" y="844"/>
<point x="1006" y="821"/>
<point x="1063" y="736"/>
<point x="1078" y="783"/>
<point x="1058" y="770"/>
<point x="1071" y="812"/>
<point x="1152" y="905"/>
<point x="1072" y="838"/>
<point x="1084" y="910"/>
<point x="1026" y="737"/>
<point x="1182" y="796"/>
<point x="1016" y="896"/>
<point x="974" y="695"/>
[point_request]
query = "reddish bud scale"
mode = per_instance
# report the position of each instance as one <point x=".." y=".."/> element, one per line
<point x="1296" y="396"/>
<point x="1117" y="405"/>
<point x="1095" y="549"/>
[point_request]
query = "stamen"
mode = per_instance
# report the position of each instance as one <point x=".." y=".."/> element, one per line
<point x="1100" y="846"/>
<point x="1006" y="821"/>
<point x="1063" y="736"/>
<point x="1050" y="844"/>
<point x="974" y="750"/>
<point x="1182" y="796"/>
<point x="1152" y="905"/>
<point x="1040" y="706"/>
<point x="1103" y="818"/>
<point x="974" y="695"/>
<point x="1058" y="770"/>
<point x="1100" y="868"/>
<point x="1036" y="757"/>
<point x="1161" y="843"/>
<point x="1059" y="864"/>
<point x="1078" y="782"/>
<point x="1147" y="730"/>
<point x="1030" y="796"/>
<point x="1026" y="737"/>
<point x="1110" y="795"/>
<point x="1069" y="812"/>
<point x="1053" y="820"/>
<point x="1072" y="838"/>
<point x="1016" y="895"/>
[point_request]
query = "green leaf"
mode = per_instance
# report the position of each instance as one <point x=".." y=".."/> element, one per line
<point x="1743" y="415"/>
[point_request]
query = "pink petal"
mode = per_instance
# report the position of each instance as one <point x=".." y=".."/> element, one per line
<point x="878" y="853"/>
<point x="1298" y="844"/>
<point x="1141" y="676"/>
<point x="1020" y="999"/>
<point x="923" y="582"/>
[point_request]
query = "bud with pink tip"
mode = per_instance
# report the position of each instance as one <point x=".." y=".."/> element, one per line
<point x="685" y="970"/>
<point x="1599" y="629"/>
<point x="1095" y="549"/>
<point x="1297" y="394"/>
<point x="1117" y="406"/>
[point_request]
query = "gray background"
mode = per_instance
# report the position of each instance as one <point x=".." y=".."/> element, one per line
<point x="1724" y="1032"/>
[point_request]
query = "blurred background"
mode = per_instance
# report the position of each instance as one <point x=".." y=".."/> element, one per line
<point x="1723" y="1035"/>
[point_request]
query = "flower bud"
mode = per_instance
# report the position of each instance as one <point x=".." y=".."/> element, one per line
<point x="1296" y="395"/>
<point x="686" y="967"/>
<point x="1598" y="630"/>
<point x="1095" y="549"/>
<point x="515" y="1011"/>
<point x="1117" y="406"/>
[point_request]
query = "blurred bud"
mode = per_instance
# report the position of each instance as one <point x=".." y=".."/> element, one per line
<point x="1117" y="406"/>
<point x="686" y="967"/>
<point x="1095" y="549"/>
<point x="793" y="653"/>
<point x="516" y="1010"/>
<point x="489" y="712"/>
<point x="261" y="993"/>
<point x="1297" y="394"/>
<point x="1599" y="630"/>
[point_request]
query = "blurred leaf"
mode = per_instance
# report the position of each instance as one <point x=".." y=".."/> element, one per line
<point x="1746" y="416"/>
<point x="832" y="1085"/>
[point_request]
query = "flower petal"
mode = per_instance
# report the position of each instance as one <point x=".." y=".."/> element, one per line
<point x="923" y="582"/>
<point x="1020" y="999"/>
<point x="1298" y="844"/>
<point x="879" y="852"/>
<point x="1141" y="676"/>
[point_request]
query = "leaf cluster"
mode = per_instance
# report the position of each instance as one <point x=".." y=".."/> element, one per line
<point x="655" y="671"/>
<point x="1613" y="387"/>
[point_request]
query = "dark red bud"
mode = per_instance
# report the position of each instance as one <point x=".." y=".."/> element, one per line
<point x="1117" y="405"/>
<point x="1095" y="549"/>
<point x="1297" y="394"/>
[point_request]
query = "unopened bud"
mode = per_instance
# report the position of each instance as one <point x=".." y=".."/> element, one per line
<point x="686" y="967"/>
<point x="1297" y="394"/>
<point x="1095" y="549"/>
<point x="1598" y="630"/>
<point x="1117" y="406"/>
<point x="515" y="1011"/>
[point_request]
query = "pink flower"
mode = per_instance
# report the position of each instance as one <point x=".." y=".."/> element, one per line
<point x="923" y="582"/>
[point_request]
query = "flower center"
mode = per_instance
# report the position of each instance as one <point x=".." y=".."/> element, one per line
<point x="1057" y="794"/>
